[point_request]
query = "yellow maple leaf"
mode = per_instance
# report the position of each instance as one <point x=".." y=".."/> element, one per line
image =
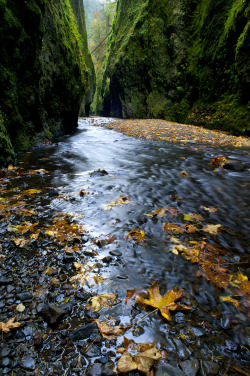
<point x="164" y="303"/>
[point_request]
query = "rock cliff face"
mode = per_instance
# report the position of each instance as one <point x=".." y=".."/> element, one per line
<point x="44" y="65"/>
<point x="184" y="60"/>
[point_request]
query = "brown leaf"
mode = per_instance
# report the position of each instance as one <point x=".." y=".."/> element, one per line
<point x="6" y="327"/>
<point x="164" y="303"/>
<point x="143" y="359"/>
<point x="110" y="332"/>
<point x="170" y="227"/>
<point x="212" y="229"/>
<point x="136" y="235"/>
<point x="219" y="161"/>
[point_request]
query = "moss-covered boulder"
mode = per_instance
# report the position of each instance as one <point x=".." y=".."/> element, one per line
<point x="185" y="61"/>
<point x="45" y="70"/>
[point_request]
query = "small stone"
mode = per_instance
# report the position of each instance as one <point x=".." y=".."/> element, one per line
<point x="115" y="253"/>
<point x="5" y="281"/>
<point x="24" y="296"/>
<point x="53" y="192"/>
<point x="225" y="323"/>
<point x="182" y="350"/>
<point x="198" y="332"/>
<point x="53" y="314"/>
<point x="38" y="340"/>
<point x="68" y="258"/>
<point x="20" y="308"/>
<point x="4" y="352"/>
<point x="231" y="345"/>
<point x="10" y="288"/>
<point x="28" y="363"/>
<point x="5" y="362"/>
<point x="83" y="332"/>
<point x="6" y="371"/>
<point x="107" y="259"/>
<point x="209" y="368"/>
<point x="104" y="359"/>
<point x="167" y="369"/>
<point x="190" y="367"/>
<point x="83" y="296"/>
<point x="122" y="277"/>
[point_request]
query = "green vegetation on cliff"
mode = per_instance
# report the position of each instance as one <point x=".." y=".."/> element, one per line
<point x="46" y="70"/>
<point x="185" y="61"/>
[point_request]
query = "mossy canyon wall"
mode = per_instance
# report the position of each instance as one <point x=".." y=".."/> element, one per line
<point x="181" y="60"/>
<point x="46" y="71"/>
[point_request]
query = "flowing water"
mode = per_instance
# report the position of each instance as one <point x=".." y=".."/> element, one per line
<point x="149" y="174"/>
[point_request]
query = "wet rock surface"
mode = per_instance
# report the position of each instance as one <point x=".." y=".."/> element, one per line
<point x="67" y="251"/>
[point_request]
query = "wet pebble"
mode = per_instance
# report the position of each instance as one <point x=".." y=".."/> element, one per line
<point x="5" y="362"/>
<point x="95" y="370"/>
<point x="209" y="368"/>
<point x="167" y="369"/>
<point x="245" y="353"/>
<point x="53" y="193"/>
<point x="53" y="315"/>
<point x="4" y="352"/>
<point x="198" y="332"/>
<point x="231" y="345"/>
<point x="115" y="253"/>
<point x="182" y="350"/>
<point x="28" y="363"/>
<point x="84" y="332"/>
<point x="24" y="296"/>
<point x="190" y="367"/>
<point x="107" y="259"/>
<point x="5" y="281"/>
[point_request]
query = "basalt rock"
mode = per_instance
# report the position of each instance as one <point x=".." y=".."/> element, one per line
<point x="46" y="71"/>
<point x="184" y="61"/>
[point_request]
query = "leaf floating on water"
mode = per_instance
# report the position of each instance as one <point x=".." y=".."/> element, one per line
<point x="170" y="227"/>
<point x="164" y="303"/>
<point x="191" y="229"/>
<point x="193" y="217"/>
<point x="110" y="332"/>
<point x="122" y="200"/>
<point x="210" y="210"/>
<point x="219" y="161"/>
<point x="212" y="229"/>
<point x="100" y="301"/>
<point x="6" y="327"/>
<point x="136" y="235"/>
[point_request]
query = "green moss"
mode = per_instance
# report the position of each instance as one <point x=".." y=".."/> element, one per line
<point x="168" y="58"/>
<point x="6" y="150"/>
<point x="45" y="68"/>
